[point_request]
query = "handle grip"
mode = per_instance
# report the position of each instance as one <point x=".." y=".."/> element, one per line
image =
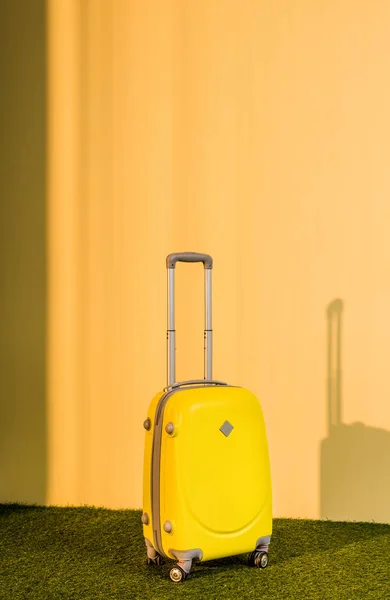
<point x="172" y="259"/>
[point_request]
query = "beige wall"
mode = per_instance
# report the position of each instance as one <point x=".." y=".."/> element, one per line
<point x="257" y="132"/>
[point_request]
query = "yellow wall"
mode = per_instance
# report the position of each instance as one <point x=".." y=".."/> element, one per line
<point x="257" y="132"/>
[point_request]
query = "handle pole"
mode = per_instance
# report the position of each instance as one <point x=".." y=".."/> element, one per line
<point x="208" y="330"/>
<point x="171" y="333"/>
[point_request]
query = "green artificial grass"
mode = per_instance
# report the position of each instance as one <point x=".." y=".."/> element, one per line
<point x="94" y="553"/>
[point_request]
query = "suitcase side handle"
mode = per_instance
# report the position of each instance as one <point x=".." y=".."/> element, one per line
<point x="171" y="261"/>
<point x="195" y="382"/>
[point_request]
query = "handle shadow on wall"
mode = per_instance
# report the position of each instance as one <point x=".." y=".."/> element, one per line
<point x="354" y="458"/>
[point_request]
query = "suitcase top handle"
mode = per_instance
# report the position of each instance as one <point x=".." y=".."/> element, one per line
<point x="172" y="259"/>
<point x="196" y="382"/>
<point x="189" y="257"/>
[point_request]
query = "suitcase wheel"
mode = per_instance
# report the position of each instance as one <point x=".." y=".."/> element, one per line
<point x="177" y="574"/>
<point x="258" y="559"/>
<point x="157" y="560"/>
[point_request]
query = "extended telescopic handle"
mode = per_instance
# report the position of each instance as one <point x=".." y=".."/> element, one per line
<point x="171" y="261"/>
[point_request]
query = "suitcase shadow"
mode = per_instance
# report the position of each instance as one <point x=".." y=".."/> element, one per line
<point x="354" y="458"/>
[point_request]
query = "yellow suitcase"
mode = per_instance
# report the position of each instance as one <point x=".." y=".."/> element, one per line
<point x="207" y="482"/>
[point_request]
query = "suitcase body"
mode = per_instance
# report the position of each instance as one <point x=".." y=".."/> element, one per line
<point x="207" y="482"/>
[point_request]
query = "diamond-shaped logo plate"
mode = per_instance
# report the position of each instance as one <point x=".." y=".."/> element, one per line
<point x="226" y="428"/>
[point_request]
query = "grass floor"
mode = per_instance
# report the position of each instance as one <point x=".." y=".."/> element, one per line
<point x="92" y="553"/>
